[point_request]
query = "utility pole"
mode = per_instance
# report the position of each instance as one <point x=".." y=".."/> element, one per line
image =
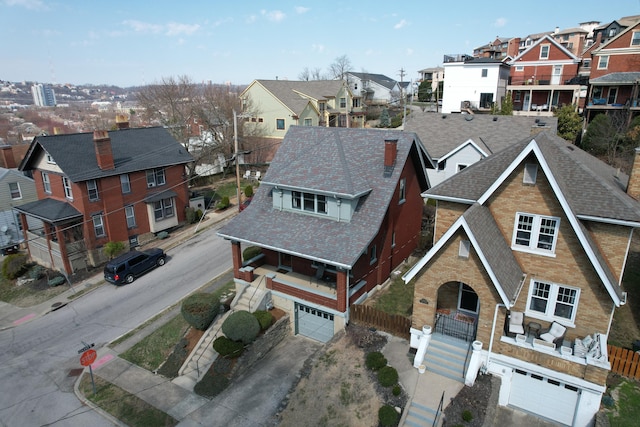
<point x="235" y="145"/>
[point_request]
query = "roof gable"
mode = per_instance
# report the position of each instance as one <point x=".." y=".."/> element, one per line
<point x="133" y="150"/>
<point x="532" y="53"/>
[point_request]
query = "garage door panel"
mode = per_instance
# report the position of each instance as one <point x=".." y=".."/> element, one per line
<point x="544" y="396"/>
<point x="314" y="323"/>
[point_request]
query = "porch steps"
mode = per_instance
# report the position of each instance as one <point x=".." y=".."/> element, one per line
<point x="446" y="356"/>
<point x="203" y="355"/>
<point x="419" y="416"/>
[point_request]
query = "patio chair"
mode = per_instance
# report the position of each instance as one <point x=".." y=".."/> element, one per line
<point x="554" y="334"/>
<point x="247" y="174"/>
<point x="516" y="323"/>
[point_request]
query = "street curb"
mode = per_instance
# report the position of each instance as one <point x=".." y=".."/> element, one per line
<point x="81" y="397"/>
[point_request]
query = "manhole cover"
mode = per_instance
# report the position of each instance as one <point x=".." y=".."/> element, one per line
<point x="57" y="305"/>
<point x="75" y="372"/>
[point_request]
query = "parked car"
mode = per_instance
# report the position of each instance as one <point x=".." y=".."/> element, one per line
<point x="125" y="268"/>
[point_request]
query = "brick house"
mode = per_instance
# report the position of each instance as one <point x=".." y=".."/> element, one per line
<point x="338" y="210"/>
<point x="540" y="75"/>
<point x="530" y="248"/>
<point x="615" y="75"/>
<point x="93" y="188"/>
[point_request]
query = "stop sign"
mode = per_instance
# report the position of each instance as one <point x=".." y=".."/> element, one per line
<point x="88" y="357"/>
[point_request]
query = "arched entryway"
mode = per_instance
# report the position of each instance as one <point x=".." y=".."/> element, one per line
<point x="457" y="310"/>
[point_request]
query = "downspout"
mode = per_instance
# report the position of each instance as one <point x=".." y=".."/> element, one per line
<point x="346" y="312"/>
<point x="493" y="330"/>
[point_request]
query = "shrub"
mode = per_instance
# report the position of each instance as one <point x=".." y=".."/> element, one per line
<point x="56" y="281"/>
<point x="223" y="203"/>
<point x="227" y="348"/>
<point x="387" y="376"/>
<point x="375" y="360"/>
<point x="113" y="249"/>
<point x="248" y="191"/>
<point x="387" y="416"/>
<point x="211" y="385"/>
<point x="14" y="266"/>
<point x="467" y="415"/>
<point x="265" y="319"/>
<point x="200" y="309"/>
<point x="396" y="390"/>
<point x="36" y="272"/>
<point x="241" y="326"/>
<point x="222" y="366"/>
<point x="250" y="252"/>
<point x="192" y="215"/>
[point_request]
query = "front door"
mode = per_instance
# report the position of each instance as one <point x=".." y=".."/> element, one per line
<point x="285" y="261"/>
<point x="525" y="103"/>
<point x="557" y="73"/>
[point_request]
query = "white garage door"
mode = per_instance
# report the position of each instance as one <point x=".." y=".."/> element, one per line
<point x="543" y="396"/>
<point x="314" y="323"/>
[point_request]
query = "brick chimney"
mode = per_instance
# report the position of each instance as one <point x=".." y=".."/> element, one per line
<point x="104" y="155"/>
<point x="122" y="121"/>
<point x="390" y="152"/>
<point x="633" y="188"/>
<point x="7" y="157"/>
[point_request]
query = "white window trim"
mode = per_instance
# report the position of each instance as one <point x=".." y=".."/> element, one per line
<point x="548" y="51"/>
<point x="535" y="234"/>
<point x="46" y="183"/>
<point x="633" y="37"/>
<point x="530" y="173"/>
<point x="465" y="249"/>
<point x="402" y="191"/>
<point x="606" y="65"/>
<point x="18" y="190"/>
<point x="551" y="304"/>
<point x="98" y="223"/>
<point x="68" y="192"/>
<point x="123" y="182"/>
<point x="90" y="190"/>
<point x="373" y="254"/>
<point x="130" y="209"/>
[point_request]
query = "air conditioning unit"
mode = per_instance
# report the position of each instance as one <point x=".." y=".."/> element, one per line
<point x="151" y="184"/>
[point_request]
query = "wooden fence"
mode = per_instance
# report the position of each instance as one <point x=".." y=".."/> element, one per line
<point x="368" y="316"/>
<point x="624" y="362"/>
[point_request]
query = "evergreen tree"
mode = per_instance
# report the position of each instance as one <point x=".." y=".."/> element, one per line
<point x="569" y="123"/>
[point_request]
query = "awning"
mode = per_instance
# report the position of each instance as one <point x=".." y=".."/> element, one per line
<point x="50" y="210"/>
<point x="156" y="197"/>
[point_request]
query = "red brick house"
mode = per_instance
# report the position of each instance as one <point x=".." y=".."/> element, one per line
<point x="615" y="75"/>
<point x="540" y="75"/>
<point x="338" y="210"/>
<point x="100" y="187"/>
<point x="527" y="264"/>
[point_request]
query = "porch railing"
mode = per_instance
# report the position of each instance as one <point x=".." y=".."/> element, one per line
<point x="436" y="419"/>
<point x="456" y="325"/>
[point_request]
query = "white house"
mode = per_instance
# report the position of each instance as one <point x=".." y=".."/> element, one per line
<point x="473" y="83"/>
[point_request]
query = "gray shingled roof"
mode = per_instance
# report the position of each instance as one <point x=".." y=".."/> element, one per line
<point x="330" y="161"/>
<point x="288" y="91"/>
<point x="626" y="78"/>
<point x="50" y="210"/>
<point x="494" y="247"/>
<point x="442" y="133"/>
<point x="381" y="79"/>
<point x="133" y="150"/>
<point x="590" y="187"/>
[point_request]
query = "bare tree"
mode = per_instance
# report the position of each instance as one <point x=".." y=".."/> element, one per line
<point x="340" y="67"/>
<point x="311" y="74"/>
<point x="305" y="75"/>
<point x="316" y="74"/>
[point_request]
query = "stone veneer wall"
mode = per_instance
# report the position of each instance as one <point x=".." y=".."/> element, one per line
<point x="261" y="346"/>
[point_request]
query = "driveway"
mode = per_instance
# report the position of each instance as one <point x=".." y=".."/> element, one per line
<point x="260" y="391"/>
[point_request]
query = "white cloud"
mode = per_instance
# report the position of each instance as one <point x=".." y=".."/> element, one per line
<point x="409" y="51"/>
<point x="142" y="27"/>
<point x="273" y="15"/>
<point x="318" y="48"/>
<point x="500" y="22"/>
<point x="301" y="9"/>
<point x="401" y="24"/>
<point x="174" y="29"/>
<point x="27" y="4"/>
<point x="251" y="19"/>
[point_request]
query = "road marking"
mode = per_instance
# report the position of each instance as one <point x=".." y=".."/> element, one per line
<point x="104" y="359"/>
<point x="24" y="319"/>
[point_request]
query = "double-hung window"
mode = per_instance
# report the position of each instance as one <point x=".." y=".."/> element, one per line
<point x="46" y="183"/>
<point x="402" y="191"/>
<point x="535" y="233"/>
<point x="14" y="189"/>
<point x="130" y="214"/>
<point x="155" y="177"/>
<point x="279" y="124"/>
<point x="98" y="225"/>
<point x="125" y="184"/>
<point x="163" y="209"/>
<point x="552" y="301"/>
<point x="316" y="203"/>
<point x="603" y="62"/>
<point x="92" y="190"/>
<point x="544" y="51"/>
<point x="66" y="183"/>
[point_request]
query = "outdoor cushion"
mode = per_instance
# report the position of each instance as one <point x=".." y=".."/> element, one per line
<point x="555" y="331"/>
<point x="516" y="320"/>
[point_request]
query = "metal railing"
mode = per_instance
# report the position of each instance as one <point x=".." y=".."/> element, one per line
<point x="447" y="324"/>
<point x="436" y="419"/>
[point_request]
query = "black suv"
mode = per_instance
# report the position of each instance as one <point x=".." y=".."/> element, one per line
<point x="125" y="268"/>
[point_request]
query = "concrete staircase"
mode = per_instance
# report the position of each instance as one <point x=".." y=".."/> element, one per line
<point x="203" y="355"/>
<point x="446" y="357"/>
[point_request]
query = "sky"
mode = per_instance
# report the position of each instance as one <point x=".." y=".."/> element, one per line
<point x="139" y="42"/>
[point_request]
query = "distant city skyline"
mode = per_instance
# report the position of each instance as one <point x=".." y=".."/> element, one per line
<point x="136" y="43"/>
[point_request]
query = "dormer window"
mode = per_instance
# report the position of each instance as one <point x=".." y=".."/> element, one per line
<point x="544" y="51"/>
<point x="309" y="202"/>
<point x="50" y="159"/>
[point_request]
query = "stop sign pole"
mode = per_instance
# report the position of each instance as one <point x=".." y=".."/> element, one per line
<point x="87" y="358"/>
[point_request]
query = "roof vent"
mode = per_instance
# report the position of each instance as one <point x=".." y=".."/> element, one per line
<point x="468" y="117"/>
<point x="495" y="119"/>
<point x="542" y="123"/>
<point x="444" y="116"/>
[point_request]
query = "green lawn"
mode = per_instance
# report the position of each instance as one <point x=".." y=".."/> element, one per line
<point x="627" y="406"/>
<point x="396" y="299"/>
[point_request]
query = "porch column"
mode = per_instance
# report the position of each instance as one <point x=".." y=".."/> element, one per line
<point x="236" y="256"/>
<point x="25" y="229"/>
<point x="63" y="250"/>
<point x="341" y="289"/>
